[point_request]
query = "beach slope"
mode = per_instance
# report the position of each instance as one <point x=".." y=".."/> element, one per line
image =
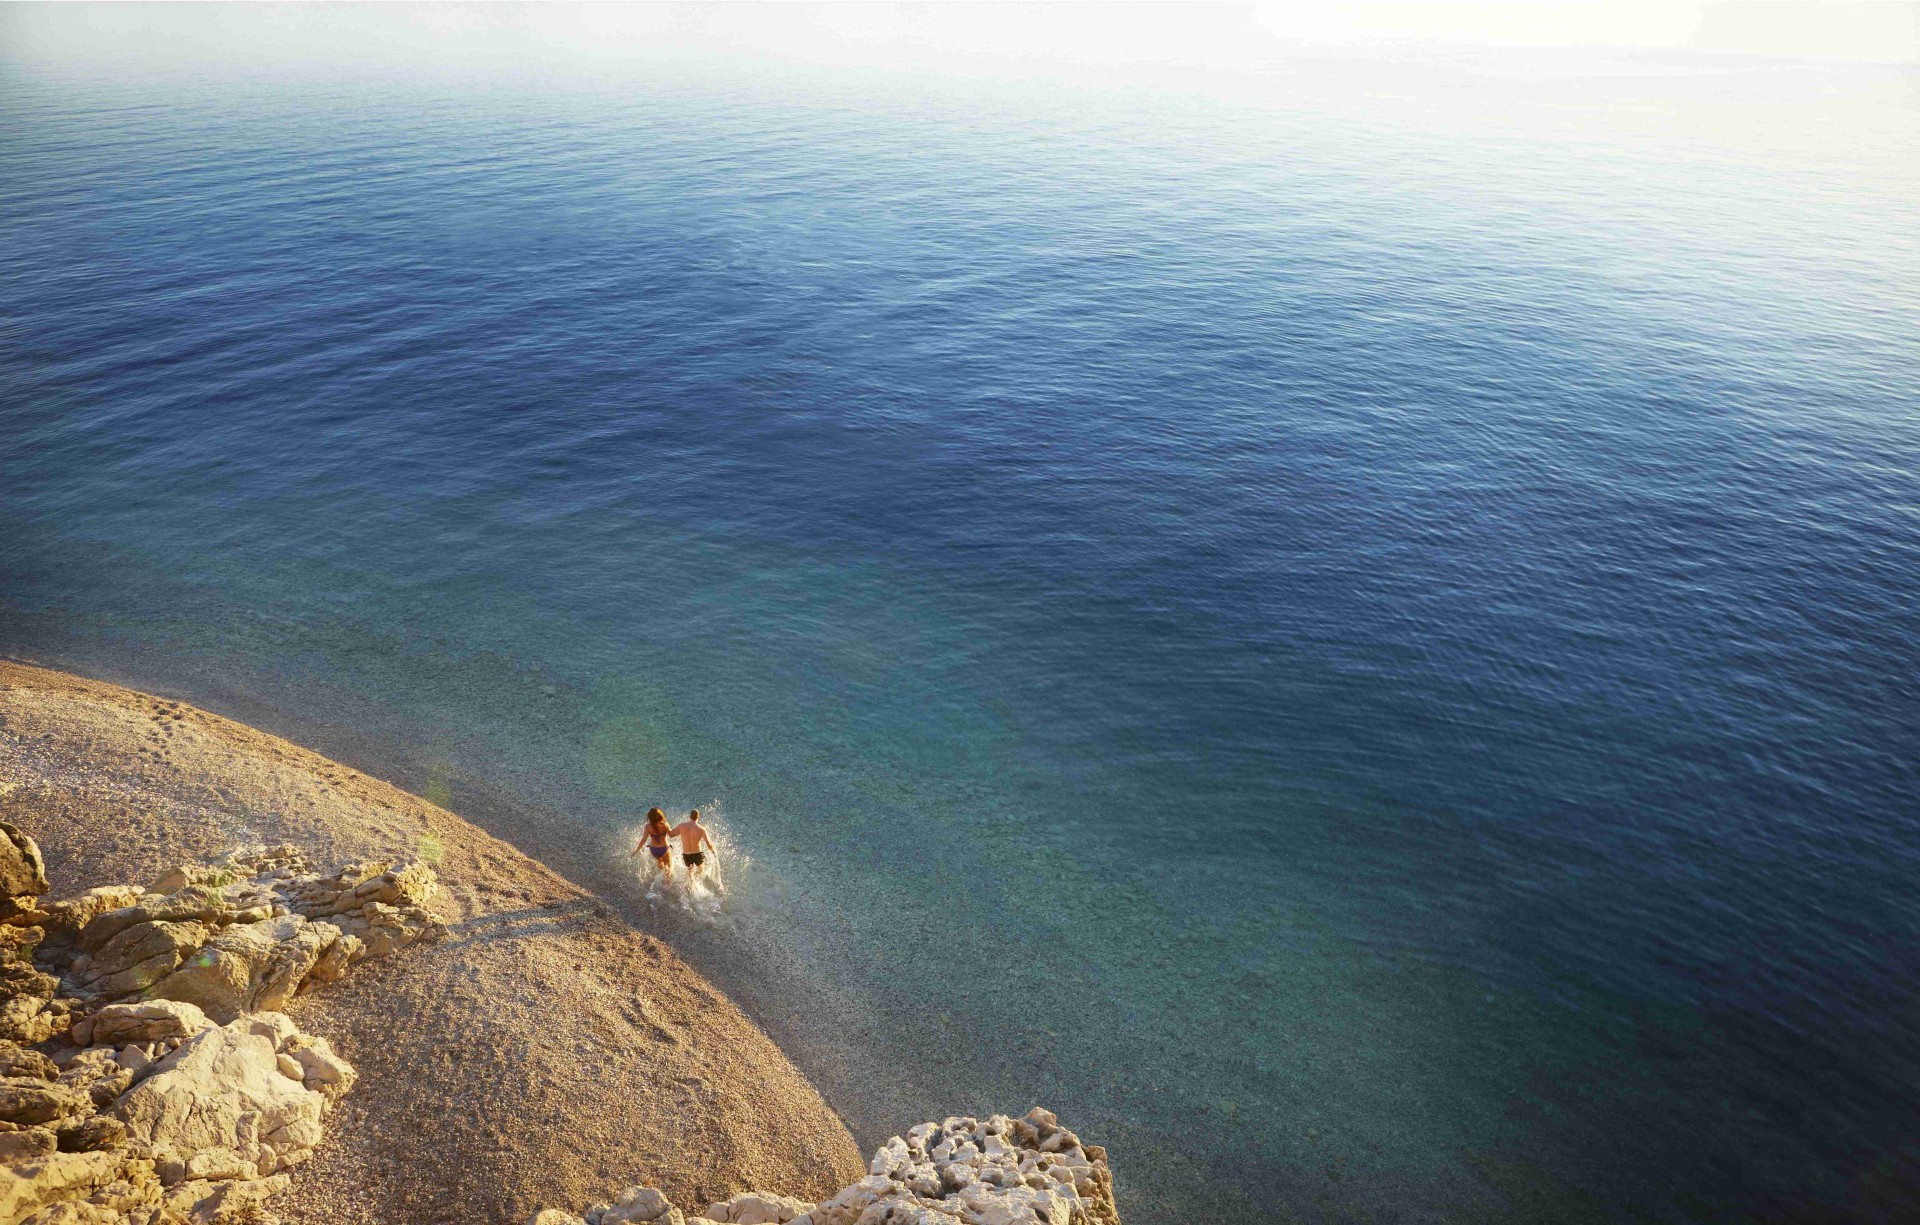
<point x="545" y="1052"/>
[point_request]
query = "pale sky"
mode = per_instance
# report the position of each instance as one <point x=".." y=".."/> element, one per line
<point x="1228" y="36"/>
<point x="1883" y="31"/>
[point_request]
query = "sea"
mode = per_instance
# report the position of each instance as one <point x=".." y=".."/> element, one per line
<point x="1353" y="631"/>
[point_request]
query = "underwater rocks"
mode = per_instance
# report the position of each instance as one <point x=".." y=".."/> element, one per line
<point x="146" y="1074"/>
<point x="961" y="1171"/>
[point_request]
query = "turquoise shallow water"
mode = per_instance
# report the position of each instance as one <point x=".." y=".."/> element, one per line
<point x="1360" y="645"/>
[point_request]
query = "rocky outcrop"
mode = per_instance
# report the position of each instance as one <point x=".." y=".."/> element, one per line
<point x="235" y="937"/>
<point x="30" y="1010"/>
<point x="166" y="1087"/>
<point x="961" y="1171"/>
<point x="22" y="872"/>
<point x="756" y="1208"/>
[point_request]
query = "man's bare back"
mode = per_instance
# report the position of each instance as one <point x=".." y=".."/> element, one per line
<point x="694" y="842"/>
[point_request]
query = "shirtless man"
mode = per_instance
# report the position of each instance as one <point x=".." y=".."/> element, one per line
<point x="694" y="844"/>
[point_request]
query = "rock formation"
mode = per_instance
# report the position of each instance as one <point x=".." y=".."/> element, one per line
<point x="166" y="1087"/>
<point x="962" y="1171"/>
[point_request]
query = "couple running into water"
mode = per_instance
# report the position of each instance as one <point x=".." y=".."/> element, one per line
<point x="695" y="844"/>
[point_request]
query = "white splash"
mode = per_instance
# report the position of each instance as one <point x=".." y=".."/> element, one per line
<point x="703" y="896"/>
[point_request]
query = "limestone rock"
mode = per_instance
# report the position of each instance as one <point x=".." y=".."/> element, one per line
<point x="248" y="967"/>
<point x="223" y="1090"/>
<point x="97" y="1073"/>
<point x="28" y="1186"/>
<point x="756" y="1208"/>
<point x="131" y="1197"/>
<point x="153" y="1111"/>
<point x="403" y="886"/>
<point x="96" y="1132"/>
<point x="196" y="903"/>
<point x="142" y="955"/>
<point x="238" y="936"/>
<point x="143" y="1022"/>
<point x="639" y="1204"/>
<point x="27" y="1143"/>
<point x="22" y="871"/>
<point x="18" y="936"/>
<point x="28" y="1014"/>
<point x="222" y="1202"/>
<point x="18" y="1061"/>
<point x="21" y="911"/>
<point x="83" y="1212"/>
<point x="17" y="978"/>
<point x="336" y="957"/>
<point x="960" y="1171"/>
<point x="320" y="1069"/>
<point x="29" y="1101"/>
<point x="67" y="917"/>
<point x="553" y="1216"/>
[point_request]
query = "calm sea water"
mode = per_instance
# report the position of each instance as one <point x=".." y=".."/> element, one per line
<point x="1360" y="644"/>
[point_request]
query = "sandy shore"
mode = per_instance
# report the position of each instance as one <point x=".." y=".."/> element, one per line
<point x="546" y="1053"/>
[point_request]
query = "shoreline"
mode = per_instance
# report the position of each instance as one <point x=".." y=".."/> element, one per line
<point x="759" y="977"/>
<point x="712" y="1077"/>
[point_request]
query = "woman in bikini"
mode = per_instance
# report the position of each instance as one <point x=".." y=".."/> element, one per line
<point x="654" y="838"/>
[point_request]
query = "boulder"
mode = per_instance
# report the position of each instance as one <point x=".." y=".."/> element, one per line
<point x="19" y="978"/>
<point x="16" y="1060"/>
<point x="223" y="1202"/>
<point x="69" y="916"/>
<point x="97" y="1073"/>
<point x="91" y="1134"/>
<point x="28" y="1101"/>
<point x="27" y="1143"/>
<point x="22" y="871"/>
<point x="130" y="1198"/>
<point x="240" y="936"/>
<point x="223" y="1089"/>
<point x="186" y="1105"/>
<point x="143" y="1022"/>
<point x="403" y="886"/>
<point x="21" y="932"/>
<point x="142" y="955"/>
<point x="30" y="1019"/>
<point x="756" y="1208"/>
<point x="336" y="957"/>
<point x="196" y="903"/>
<point x="21" y="911"/>
<point x="642" y="1204"/>
<point x="28" y="1186"/>
<point x="553" y="1216"/>
<point x="248" y="967"/>
<point x="88" y="1212"/>
<point x="319" y="1069"/>
<point x="960" y="1171"/>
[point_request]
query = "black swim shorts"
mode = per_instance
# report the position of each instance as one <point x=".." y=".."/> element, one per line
<point x="693" y="860"/>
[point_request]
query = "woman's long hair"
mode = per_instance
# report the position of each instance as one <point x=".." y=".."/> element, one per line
<point x="657" y="822"/>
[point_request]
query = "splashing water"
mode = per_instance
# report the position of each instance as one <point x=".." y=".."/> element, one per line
<point x="703" y="896"/>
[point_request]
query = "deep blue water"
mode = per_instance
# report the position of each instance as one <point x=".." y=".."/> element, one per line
<point x="1360" y="645"/>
